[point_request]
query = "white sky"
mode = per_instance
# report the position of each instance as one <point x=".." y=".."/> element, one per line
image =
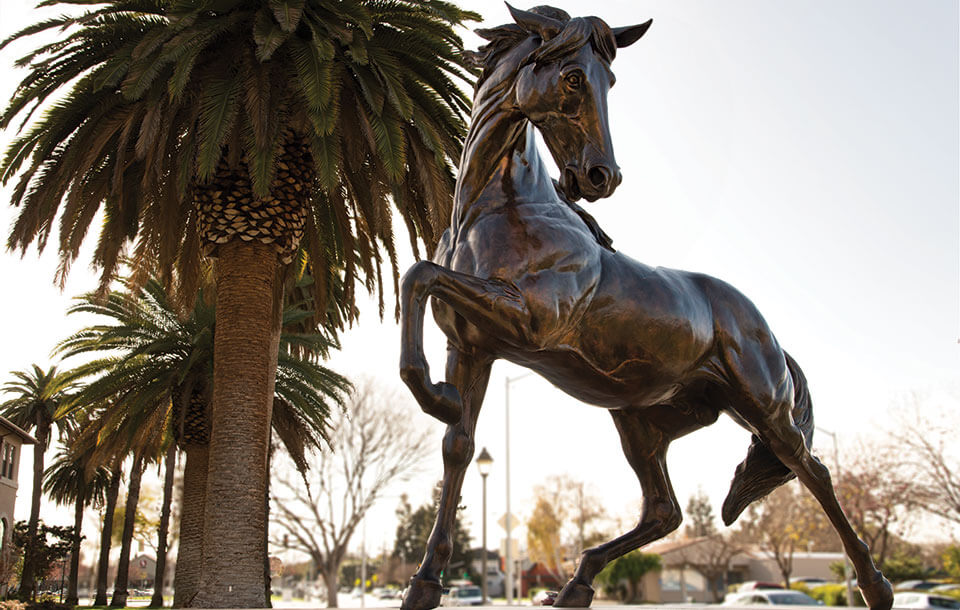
<point x="805" y="152"/>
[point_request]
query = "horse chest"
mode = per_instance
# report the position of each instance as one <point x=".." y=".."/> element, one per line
<point x="548" y="256"/>
<point x="520" y="242"/>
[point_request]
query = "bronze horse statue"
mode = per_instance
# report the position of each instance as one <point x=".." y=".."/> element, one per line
<point x="524" y="274"/>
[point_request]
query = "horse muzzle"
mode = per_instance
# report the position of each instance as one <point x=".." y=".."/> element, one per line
<point x="597" y="182"/>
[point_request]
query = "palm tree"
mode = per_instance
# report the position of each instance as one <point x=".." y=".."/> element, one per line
<point x="38" y="395"/>
<point x="106" y="534"/>
<point x="235" y="129"/>
<point x="117" y="431"/>
<point x="159" y="575"/>
<point x="73" y="479"/>
<point x="120" y="592"/>
<point x="160" y="365"/>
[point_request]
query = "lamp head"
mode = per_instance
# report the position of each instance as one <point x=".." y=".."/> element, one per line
<point x="484" y="461"/>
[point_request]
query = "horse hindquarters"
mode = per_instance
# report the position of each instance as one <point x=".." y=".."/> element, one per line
<point x="645" y="447"/>
<point x="762" y="471"/>
<point x="769" y="395"/>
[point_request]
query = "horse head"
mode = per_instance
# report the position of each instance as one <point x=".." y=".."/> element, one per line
<point x="562" y="86"/>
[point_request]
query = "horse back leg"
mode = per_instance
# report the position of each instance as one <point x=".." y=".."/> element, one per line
<point x="469" y="374"/>
<point x="770" y="390"/>
<point x="492" y="305"/>
<point x="645" y="447"/>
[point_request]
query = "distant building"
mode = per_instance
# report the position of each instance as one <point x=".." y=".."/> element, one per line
<point x="495" y="578"/>
<point x="141" y="574"/>
<point x="12" y="439"/>
<point x="535" y="575"/>
<point x="701" y="569"/>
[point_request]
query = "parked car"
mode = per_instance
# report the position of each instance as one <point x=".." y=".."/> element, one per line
<point x="388" y="593"/>
<point x="757" y="585"/>
<point x="770" y="597"/>
<point x="951" y="586"/>
<point x="464" y="596"/>
<point x="545" y="598"/>
<point x="810" y="581"/>
<point x="915" y="585"/>
<point x="926" y="601"/>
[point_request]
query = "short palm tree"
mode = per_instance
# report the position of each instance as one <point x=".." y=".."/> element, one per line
<point x="115" y="433"/>
<point x="37" y="398"/>
<point x="106" y="537"/>
<point x="243" y="129"/>
<point x="71" y="478"/>
<point x="160" y="365"/>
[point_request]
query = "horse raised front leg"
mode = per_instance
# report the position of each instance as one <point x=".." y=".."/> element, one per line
<point x="469" y="373"/>
<point x="646" y="450"/>
<point x="492" y="305"/>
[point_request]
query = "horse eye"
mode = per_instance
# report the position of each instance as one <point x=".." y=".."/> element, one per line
<point x="574" y="80"/>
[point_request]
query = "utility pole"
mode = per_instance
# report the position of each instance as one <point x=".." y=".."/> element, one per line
<point x="508" y="559"/>
<point x="846" y="560"/>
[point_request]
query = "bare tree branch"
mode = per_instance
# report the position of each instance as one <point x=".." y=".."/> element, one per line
<point x="932" y="453"/>
<point x="372" y="447"/>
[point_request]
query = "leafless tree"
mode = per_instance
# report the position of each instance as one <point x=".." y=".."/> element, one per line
<point x="779" y="526"/>
<point x="711" y="556"/>
<point x="931" y="449"/>
<point x="878" y="494"/>
<point x="563" y="523"/>
<point x="372" y="447"/>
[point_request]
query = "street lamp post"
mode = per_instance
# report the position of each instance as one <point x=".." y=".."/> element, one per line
<point x="846" y="560"/>
<point x="508" y="558"/>
<point x="484" y="461"/>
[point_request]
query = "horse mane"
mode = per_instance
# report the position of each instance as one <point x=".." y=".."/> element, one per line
<point x="576" y="33"/>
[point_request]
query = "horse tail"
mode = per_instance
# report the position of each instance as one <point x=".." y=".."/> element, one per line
<point x="761" y="471"/>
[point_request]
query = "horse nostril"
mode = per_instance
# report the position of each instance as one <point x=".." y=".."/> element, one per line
<point x="598" y="176"/>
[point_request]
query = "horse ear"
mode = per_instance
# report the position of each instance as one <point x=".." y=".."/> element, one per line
<point x="541" y="25"/>
<point x="628" y="35"/>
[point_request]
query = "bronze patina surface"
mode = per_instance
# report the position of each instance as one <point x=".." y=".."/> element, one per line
<point x="524" y="274"/>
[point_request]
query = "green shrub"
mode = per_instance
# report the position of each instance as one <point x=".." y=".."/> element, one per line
<point x="48" y="605"/>
<point x="835" y="594"/>
<point x="534" y="590"/>
<point x="905" y="567"/>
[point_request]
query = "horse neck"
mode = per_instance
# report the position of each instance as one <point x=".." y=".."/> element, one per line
<point x="500" y="165"/>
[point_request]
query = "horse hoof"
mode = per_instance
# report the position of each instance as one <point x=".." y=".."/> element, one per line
<point x="447" y="405"/>
<point x="422" y="595"/>
<point x="574" y="595"/>
<point x="878" y="594"/>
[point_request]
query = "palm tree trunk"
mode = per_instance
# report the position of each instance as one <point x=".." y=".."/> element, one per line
<point x="106" y="537"/>
<point x="119" y="599"/>
<point x="186" y="580"/>
<point x="170" y="463"/>
<point x="266" y="531"/>
<point x="72" y="598"/>
<point x="28" y="585"/>
<point x="245" y="365"/>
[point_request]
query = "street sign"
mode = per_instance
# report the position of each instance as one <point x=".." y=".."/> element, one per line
<point x="514" y="522"/>
<point x="514" y="548"/>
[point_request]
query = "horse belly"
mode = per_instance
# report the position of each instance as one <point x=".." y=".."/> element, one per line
<point x="571" y="372"/>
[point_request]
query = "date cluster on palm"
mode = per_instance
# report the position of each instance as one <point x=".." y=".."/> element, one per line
<point x="228" y="207"/>
<point x="192" y="419"/>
